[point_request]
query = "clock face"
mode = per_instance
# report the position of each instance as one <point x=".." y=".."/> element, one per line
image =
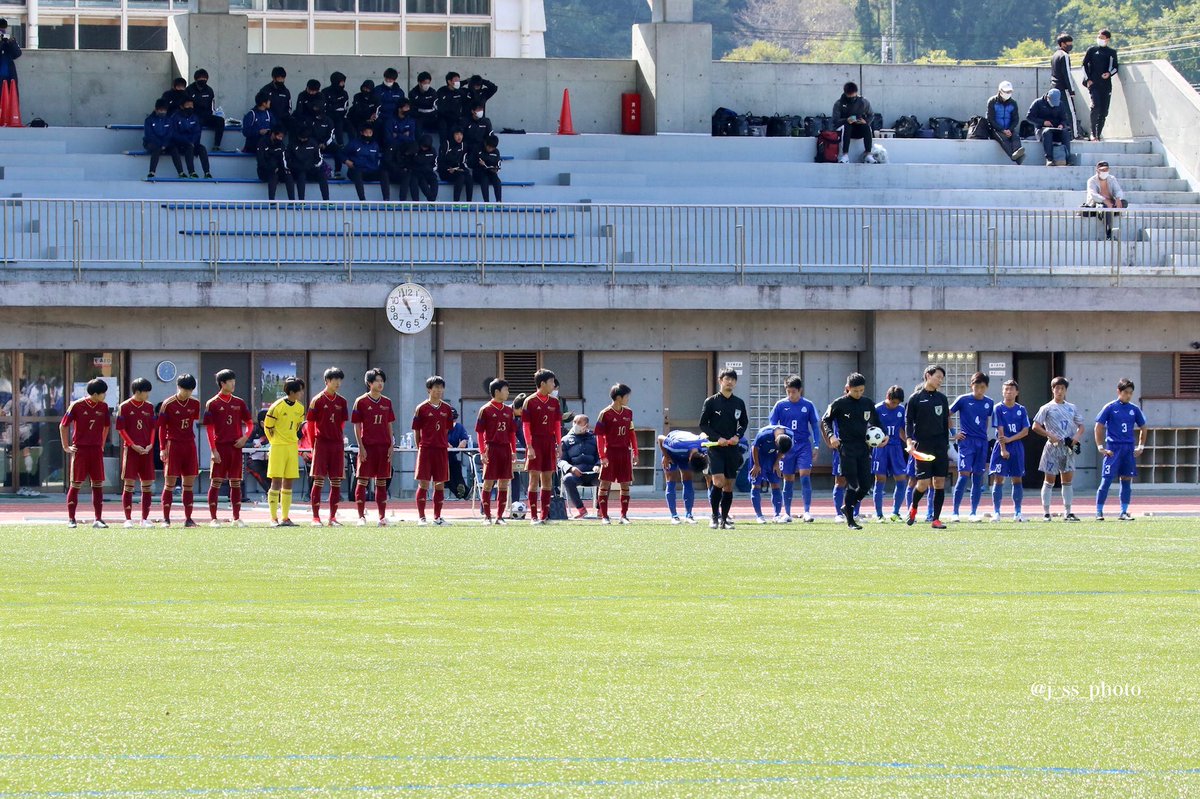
<point x="165" y="371"/>
<point x="409" y="308"/>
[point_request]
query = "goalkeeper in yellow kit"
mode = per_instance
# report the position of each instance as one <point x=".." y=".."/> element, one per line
<point x="282" y="427"/>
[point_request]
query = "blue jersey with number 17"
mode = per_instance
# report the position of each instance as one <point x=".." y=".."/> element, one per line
<point x="1120" y="420"/>
<point x="800" y="420"/>
<point x="973" y="415"/>
<point x="1011" y="420"/>
<point x="893" y="422"/>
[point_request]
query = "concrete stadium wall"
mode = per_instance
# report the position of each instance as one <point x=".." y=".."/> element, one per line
<point x="84" y="87"/>
<point x="1152" y="99"/>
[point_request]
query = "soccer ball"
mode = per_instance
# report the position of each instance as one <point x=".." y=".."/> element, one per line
<point x="518" y="510"/>
<point x="875" y="436"/>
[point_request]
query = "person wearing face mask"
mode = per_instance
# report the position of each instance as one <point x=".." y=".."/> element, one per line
<point x="365" y="162"/>
<point x="337" y="103"/>
<point x="1003" y="119"/>
<point x="157" y="138"/>
<point x="453" y="167"/>
<point x="578" y="464"/>
<point x="280" y="94"/>
<point x="363" y="109"/>
<point x="1060" y="78"/>
<point x="205" y="100"/>
<point x="305" y="102"/>
<point x="479" y="91"/>
<point x="1049" y="115"/>
<point x="476" y="131"/>
<point x="174" y="96"/>
<point x="451" y="105"/>
<point x="1104" y="191"/>
<point x="185" y="138"/>
<point x="258" y="122"/>
<point x="274" y="165"/>
<point x="10" y="51"/>
<point x="852" y="116"/>
<point x="388" y="94"/>
<point x="424" y="104"/>
<point x="1099" y="67"/>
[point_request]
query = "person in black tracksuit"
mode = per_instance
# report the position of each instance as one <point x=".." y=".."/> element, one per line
<point x="337" y="103"/>
<point x="424" y="104"/>
<point x="397" y="162"/>
<point x="476" y="131"/>
<point x="1099" y="67"/>
<point x="423" y="177"/>
<point x="364" y="110"/>
<point x="724" y="420"/>
<point x="1060" y="78"/>
<point x="308" y="164"/>
<point x="852" y="115"/>
<point x="451" y="105"/>
<point x="853" y="413"/>
<point x="304" y="109"/>
<point x="158" y="135"/>
<point x="321" y="131"/>
<point x="205" y="100"/>
<point x="453" y="166"/>
<point x="175" y="95"/>
<point x="927" y="423"/>
<point x="273" y="164"/>
<point x="479" y="91"/>
<point x="487" y="168"/>
<point x="281" y="96"/>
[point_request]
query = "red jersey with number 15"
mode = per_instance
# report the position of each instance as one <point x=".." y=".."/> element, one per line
<point x="89" y="420"/>
<point x="376" y="418"/>
<point x="135" y="423"/>
<point x="433" y="424"/>
<point x="329" y="415"/>
<point x="542" y="419"/>
<point x="496" y="425"/>
<point x="177" y="419"/>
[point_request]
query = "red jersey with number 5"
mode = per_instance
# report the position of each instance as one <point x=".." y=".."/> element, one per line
<point x="177" y="419"/>
<point x="135" y="423"/>
<point x="376" y="418"/>
<point x="89" y="421"/>
<point x="542" y="418"/>
<point x="329" y="415"/>
<point x="496" y="425"/>
<point x="433" y="424"/>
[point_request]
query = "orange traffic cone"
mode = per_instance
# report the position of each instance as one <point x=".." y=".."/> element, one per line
<point x="565" y="126"/>
<point x="3" y="104"/>
<point x="14" y="106"/>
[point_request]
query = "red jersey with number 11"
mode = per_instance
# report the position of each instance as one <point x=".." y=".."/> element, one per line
<point x="376" y="418"/>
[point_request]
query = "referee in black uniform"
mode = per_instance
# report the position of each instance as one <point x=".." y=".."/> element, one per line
<point x="927" y="423"/>
<point x="853" y="414"/>
<point x="724" y="420"/>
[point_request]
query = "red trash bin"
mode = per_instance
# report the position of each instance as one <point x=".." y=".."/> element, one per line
<point x="631" y="114"/>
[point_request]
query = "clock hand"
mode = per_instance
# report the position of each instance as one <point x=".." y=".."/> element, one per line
<point x="406" y="305"/>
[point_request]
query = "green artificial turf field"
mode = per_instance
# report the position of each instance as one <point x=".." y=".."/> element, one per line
<point x="570" y="660"/>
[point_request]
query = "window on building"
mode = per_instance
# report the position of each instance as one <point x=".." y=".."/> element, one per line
<point x="56" y="33"/>
<point x="379" y="6"/>
<point x="147" y="34"/>
<point x="768" y="371"/>
<point x="287" y="36"/>
<point x="379" y="39"/>
<point x="336" y="6"/>
<point x="426" y="6"/>
<point x="97" y="33"/>
<point x="471" y="41"/>
<point x="478" y="369"/>
<point x="959" y="367"/>
<point x="480" y="7"/>
<point x="287" y="5"/>
<point x="517" y="367"/>
<point x="254" y="35"/>
<point x="425" y="39"/>
<point x="334" y="38"/>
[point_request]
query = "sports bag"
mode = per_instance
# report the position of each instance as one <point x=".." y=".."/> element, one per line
<point x="828" y="144"/>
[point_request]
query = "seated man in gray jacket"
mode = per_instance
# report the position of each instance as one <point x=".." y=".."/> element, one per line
<point x="1104" y="191"/>
<point x="580" y="464"/>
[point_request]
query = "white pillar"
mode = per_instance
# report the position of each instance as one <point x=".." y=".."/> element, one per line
<point x="31" y="25"/>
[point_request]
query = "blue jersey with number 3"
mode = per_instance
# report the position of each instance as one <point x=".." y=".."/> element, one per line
<point x="1120" y="420"/>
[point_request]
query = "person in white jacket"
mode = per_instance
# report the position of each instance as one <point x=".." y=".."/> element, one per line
<point x="1104" y="191"/>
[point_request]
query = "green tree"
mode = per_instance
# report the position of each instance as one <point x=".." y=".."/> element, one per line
<point x="1026" y="51"/>
<point x="760" y="51"/>
<point x="935" y="57"/>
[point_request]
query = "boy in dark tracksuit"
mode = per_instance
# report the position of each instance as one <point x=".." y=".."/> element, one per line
<point x="174" y="96"/>
<point x="303" y="115"/>
<point x="476" y="131"/>
<point x="308" y="163"/>
<point x="424" y="104"/>
<point x="258" y="123"/>
<point x="364" y="110"/>
<point x="388" y="94"/>
<point x="321" y="131"/>
<point x="337" y="103"/>
<point x="479" y="91"/>
<point x="451" y="105"/>
<point x="185" y="138"/>
<point x="157" y="136"/>
<point x="487" y="168"/>
<point x="273" y="164"/>
<point x="453" y="166"/>
<point x="365" y="162"/>
<point x="397" y="162"/>
<point x="852" y="114"/>
<point x="281" y="96"/>
<point x="399" y="129"/>
<point x="1099" y="67"/>
<point x="205" y="100"/>
<point x="423" y="177"/>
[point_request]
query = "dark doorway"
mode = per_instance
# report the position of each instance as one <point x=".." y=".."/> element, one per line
<point x="1033" y="371"/>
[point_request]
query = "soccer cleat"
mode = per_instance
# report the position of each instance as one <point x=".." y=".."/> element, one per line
<point x="1125" y="516"/>
<point x="381" y="523"/>
<point x="936" y="524"/>
<point x="880" y="520"/>
<point x="853" y="524"/>
<point x="422" y="523"/>
<point x="128" y="525"/>
<point x="760" y="519"/>
<point x="1099" y="517"/>
<point x="208" y="176"/>
<point x="440" y="522"/>
<point x="149" y="176"/>
<point x="71" y="524"/>
<point x="690" y="519"/>
<point x="1018" y="518"/>
<point x="1070" y="517"/>
<point x="624" y="520"/>
<point x="605" y="521"/>
<point x="274" y="523"/>
<point x="1045" y="517"/>
<point x="715" y="524"/>
<point x="896" y="517"/>
<point x="974" y="518"/>
<point x="193" y="176"/>
<point x="995" y="517"/>
<point x="147" y="523"/>
<point x="534" y="522"/>
<point x="214" y="523"/>
<point x="183" y="175"/>
<point x="334" y="523"/>
<point x="99" y="525"/>
<point x="362" y="522"/>
<point x="581" y="514"/>
<point x="487" y="521"/>
<point x="808" y="518"/>
<point x="954" y="518"/>
<point x="288" y="523"/>
<point x="501" y="521"/>
<point x="238" y="523"/>
<point x="727" y="524"/>
<point x="190" y="523"/>
<point x="783" y="518"/>
<point x="676" y="520"/>
<point x="316" y="522"/>
<point x="165" y="524"/>
<point x="912" y="516"/>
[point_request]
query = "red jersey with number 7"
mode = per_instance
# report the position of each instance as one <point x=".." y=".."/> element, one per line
<point x="89" y="422"/>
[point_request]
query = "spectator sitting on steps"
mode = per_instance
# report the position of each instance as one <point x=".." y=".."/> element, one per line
<point x="1104" y="191"/>
<point x="852" y="116"/>
<point x="1049" y="115"/>
<point x="1003" y="120"/>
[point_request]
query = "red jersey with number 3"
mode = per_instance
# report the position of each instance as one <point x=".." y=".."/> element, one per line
<point x="496" y="425"/>
<point x="433" y="424"/>
<point x="614" y="432"/>
<point x="177" y="419"/>
<point x="88" y="421"/>
<point x="542" y="418"/>
<point x="329" y="415"/>
<point x="376" y="418"/>
<point x="135" y="420"/>
<point x="228" y="418"/>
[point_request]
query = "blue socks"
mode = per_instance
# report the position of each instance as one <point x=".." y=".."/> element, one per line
<point x="671" y="507"/>
<point x="959" y="488"/>
<point x="1018" y="495"/>
<point x="806" y="492"/>
<point x="1126" y="495"/>
<point x="839" y="498"/>
<point x="997" y="493"/>
<point x="777" y="499"/>
<point x="898" y="499"/>
<point x="756" y="500"/>
<point x="788" y="487"/>
<point x="878" y="498"/>
<point x="689" y="496"/>
<point x="1102" y="494"/>
<point x="977" y="481"/>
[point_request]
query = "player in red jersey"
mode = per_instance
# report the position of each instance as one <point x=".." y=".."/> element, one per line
<point x="432" y="422"/>
<point x="541" y="417"/>
<point x="177" y="418"/>
<point x="86" y="423"/>
<point x="496" y="429"/>
<point x="135" y="424"/>
<point x="372" y="418"/>
<point x="327" y="417"/>
<point x="617" y="445"/>
<point x="229" y="425"/>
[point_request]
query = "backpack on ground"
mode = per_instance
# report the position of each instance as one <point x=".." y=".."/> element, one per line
<point x="906" y="127"/>
<point x="978" y="128"/>
<point x="816" y="124"/>
<point x="925" y="133"/>
<point x="558" y="508"/>
<point x="722" y="122"/>
<point x="828" y="144"/>
<point x="876" y="122"/>
<point x="1026" y="130"/>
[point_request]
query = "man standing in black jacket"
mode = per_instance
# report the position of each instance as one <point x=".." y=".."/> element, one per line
<point x="853" y="413"/>
<point x="927" y="423"/>
<point x="1060" y="78"/>
<point x="1099" y="66"/>
<point x="724" y="420"/>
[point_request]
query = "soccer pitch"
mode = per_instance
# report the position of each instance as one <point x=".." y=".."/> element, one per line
<point x="1042" y="660"/>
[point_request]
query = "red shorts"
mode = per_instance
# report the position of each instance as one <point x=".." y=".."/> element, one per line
<point x="375" y="462"/>
<point x="619" y="469"/>
<point x="328" y="459"/>
<point x="433" y="464"/>
<point x="135" y="466"/>
<point x="545" y="451"/>
<point x="500" y="462"/>
<point x="230" y="467"/>
<point x="181" y="459"/>
<point x="87" y="464"/>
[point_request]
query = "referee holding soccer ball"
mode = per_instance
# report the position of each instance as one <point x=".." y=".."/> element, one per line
<point x="853" y="413"/>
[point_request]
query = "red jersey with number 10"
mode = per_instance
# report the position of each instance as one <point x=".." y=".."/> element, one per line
<point x="89" y="421"/>
<point x="329" y="415"/>
<point x="376" y="418"/>
<point x="496" y="425"/>
<point x="542" y="418"/>
<point x="177" y="419"/>
<point x="135" y="423"/>
<point x="614" y="431"/>
<point x="433" y="424"/>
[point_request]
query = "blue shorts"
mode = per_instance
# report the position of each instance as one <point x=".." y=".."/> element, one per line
<point x="1013" y="465"/>
<point x="768" y="477"/>
<point x="910" y="467"/>
<point x="888" y="461"/>
<point x="835" y="463"/>
<point x="1121" y="463"/>
<point x="799" y="458"/>
<point x="972" y="455"/>
<point x="679" y="463"/>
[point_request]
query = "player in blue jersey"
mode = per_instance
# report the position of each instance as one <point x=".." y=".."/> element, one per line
<point x="1115" y="427"/>
<point x="974" y="416"/>
<point x="771" y="446"/>
<point x="890" y="460"/>
<point x="1008" y="456"/>
<point x="683" y="455"/>
<point x="801" y="419"/>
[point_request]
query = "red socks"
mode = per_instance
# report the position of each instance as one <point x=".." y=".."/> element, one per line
<point x="501" y="501"/>
<point x="335" y="499"/>
<point x="147" y="499"/>
<point x="167" y="495"/>
<point x="360" y="499"/>
<point x="422" y="493"/>
<point x="98" y="501"/>
<point x="213" y="493"/>
<point x="72" y="502"/>
<point x="624" y="504"/>
<point x="602" y="503"/>
<point x="545" y="504"/>
<point x="314" y="497"/>
<point x="487" y="505"/>
<point x="533" y="498"/>
<point x="127" y="504"/>
<point x="439" y="496"/>
<point x="188" y="498"/>
<point x="380" y="499"/>
<point x="235" y="501"/>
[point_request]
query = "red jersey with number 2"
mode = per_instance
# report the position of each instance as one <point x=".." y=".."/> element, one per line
<point x="542" y="418"/>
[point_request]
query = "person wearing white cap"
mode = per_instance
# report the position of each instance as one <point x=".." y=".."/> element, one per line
<point x="1003" y="120"/>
